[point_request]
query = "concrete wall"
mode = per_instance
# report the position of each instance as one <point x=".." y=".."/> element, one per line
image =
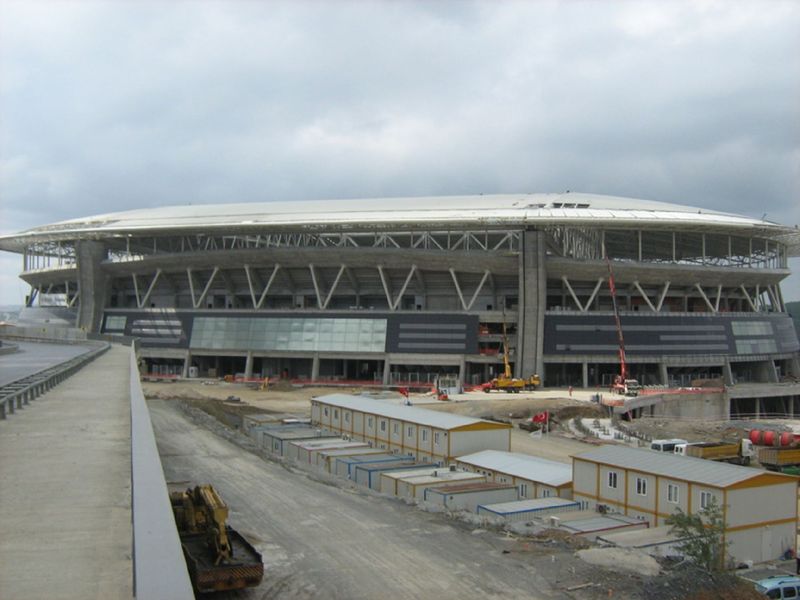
<point x="712" y="405"/>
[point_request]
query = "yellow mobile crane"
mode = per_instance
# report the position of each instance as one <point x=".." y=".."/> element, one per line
<point x="506" y="382"/>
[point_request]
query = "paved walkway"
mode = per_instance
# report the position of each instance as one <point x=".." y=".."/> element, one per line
<point x="65" y="497"/>
<point x="36" y="356"/>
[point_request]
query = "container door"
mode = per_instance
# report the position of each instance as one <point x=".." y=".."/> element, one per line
<point x="766" y="544"/>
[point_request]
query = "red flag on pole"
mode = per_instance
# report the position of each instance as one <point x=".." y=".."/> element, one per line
<point x="541" y="417"/>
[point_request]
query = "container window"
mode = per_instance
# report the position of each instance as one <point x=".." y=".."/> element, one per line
<point x="612" y="479"/>
<point x="672" y="493"/>
<point x="641" y="486"/>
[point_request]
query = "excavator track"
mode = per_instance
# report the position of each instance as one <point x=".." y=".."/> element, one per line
<point x="218" y="557"/>
<point x="245" y="569"/>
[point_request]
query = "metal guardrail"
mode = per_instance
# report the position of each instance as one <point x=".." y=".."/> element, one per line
<point x="15" y="395"/>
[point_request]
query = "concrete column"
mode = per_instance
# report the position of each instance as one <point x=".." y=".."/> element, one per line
<point x="315" y="367"/>
<point x="248" y="365"/>
<point x="531" y="306"/>
<point x="93" y="284"/>
<point x="462" y="373"/>
<point x="585" y="373"/>
<point x="663" y="374"/>
<point x="767" y="372"/>
<point x="387" y="368"/>
<point x="727" y="373"/>
<point x="187" y="362"/>
<point x="794" y="366"/>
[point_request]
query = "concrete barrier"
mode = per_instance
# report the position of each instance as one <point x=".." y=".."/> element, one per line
<point x="159" y="567"/>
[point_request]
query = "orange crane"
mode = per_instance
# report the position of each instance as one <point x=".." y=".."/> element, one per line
<point x="622" y="383"/>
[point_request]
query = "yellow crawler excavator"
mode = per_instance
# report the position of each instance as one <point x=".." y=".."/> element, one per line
<point x="218" y="557"/>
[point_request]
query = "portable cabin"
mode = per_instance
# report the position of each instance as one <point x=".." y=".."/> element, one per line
<point x="468" y="496"/>
<point x="425" y="434"/>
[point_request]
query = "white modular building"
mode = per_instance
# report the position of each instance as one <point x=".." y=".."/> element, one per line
<point x="390" y="479"/>
<point x="414" y="487"/>
<point x="759" y="508"/>
<point x="371" y="475"/>
<point x="304" y="451"/>
<point x="535" y="477"/>
<point x="276" y="440"/>
<point x="427" y="435"/>
<point x="591" y="525"/>
<point x="468" y="496"/>
<point x="326" y="459"/>
<point x="346" y="466"/>
<point x="528" y="510"/>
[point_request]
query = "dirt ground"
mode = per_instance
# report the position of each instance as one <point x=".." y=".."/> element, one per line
<point x="288" y="400"/>
<point x="551" y="555"/>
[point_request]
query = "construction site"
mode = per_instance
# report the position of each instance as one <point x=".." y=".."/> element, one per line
<point x="361" y="403"/>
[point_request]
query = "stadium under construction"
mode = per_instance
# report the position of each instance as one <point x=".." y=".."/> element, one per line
<point x="404" y="290"/>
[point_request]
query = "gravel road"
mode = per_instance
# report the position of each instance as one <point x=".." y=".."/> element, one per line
<point x="324" y="541"/>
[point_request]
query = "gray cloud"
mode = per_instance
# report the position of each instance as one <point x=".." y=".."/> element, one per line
<point x="111" y="106"/>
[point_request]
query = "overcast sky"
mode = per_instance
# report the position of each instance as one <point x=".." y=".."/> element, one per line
<point x="120" y="105"/>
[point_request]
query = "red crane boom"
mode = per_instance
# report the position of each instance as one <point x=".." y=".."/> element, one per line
<point x="623" y="367"/>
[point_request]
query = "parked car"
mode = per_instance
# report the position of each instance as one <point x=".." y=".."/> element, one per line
<point x="779" y="586"/>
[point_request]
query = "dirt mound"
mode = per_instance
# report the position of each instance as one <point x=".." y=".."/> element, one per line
<point x="691" y="583"/>
<point x="621" y="558"/>
<point x="584" y="411"/>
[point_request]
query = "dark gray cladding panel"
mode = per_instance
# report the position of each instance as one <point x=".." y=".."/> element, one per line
<point x="665" y="334"/>
<point x="162" y="329"/>
<point x="408" y="333"/>
<point x="432" y="334"/>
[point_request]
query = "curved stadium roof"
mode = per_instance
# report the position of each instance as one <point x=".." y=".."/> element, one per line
<point x="483" y="211"/>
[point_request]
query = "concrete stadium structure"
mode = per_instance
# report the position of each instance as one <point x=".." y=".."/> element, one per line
<point x="403" y="289"/>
